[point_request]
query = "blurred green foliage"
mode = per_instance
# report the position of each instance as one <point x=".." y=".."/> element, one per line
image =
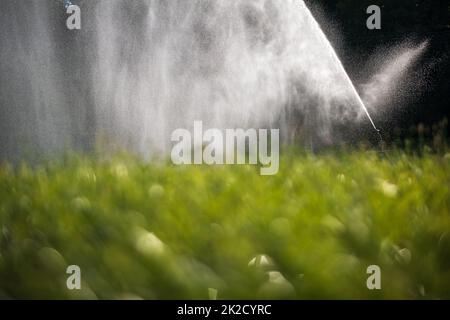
<point x="156" y="231"/>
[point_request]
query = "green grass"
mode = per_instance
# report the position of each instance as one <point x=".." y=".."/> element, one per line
<point x="157" y="231"/>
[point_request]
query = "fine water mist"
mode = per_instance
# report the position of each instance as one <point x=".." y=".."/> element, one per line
<point x="137" y="70"/>
<point x="230" y="64"/>
<point x="391" y="81"/>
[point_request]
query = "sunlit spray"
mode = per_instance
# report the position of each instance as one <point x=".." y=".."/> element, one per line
<point x="341" y="67"/>
<point x="137" y="70"/>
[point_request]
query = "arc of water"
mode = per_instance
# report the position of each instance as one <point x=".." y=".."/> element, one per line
<point x="341" y="67"/>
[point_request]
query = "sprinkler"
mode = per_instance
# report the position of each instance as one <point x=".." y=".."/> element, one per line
<point x="378" y="131"/>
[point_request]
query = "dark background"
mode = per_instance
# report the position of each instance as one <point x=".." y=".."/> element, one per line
<point x="344" y="22"/>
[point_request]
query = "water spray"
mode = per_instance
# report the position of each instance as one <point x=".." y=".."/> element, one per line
<point x="366" y="111"/>
<point x="157" y="66"/>
<point x="344" y="72"/>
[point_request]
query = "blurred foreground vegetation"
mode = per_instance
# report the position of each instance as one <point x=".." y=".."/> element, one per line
<point x="156" y="231"/>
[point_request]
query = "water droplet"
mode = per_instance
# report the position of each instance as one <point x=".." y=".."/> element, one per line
<point x="341" y="178"/>
<point x="389" y="190"/>
<point x="261" y="261"/>
<point x="148" y="243"/>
